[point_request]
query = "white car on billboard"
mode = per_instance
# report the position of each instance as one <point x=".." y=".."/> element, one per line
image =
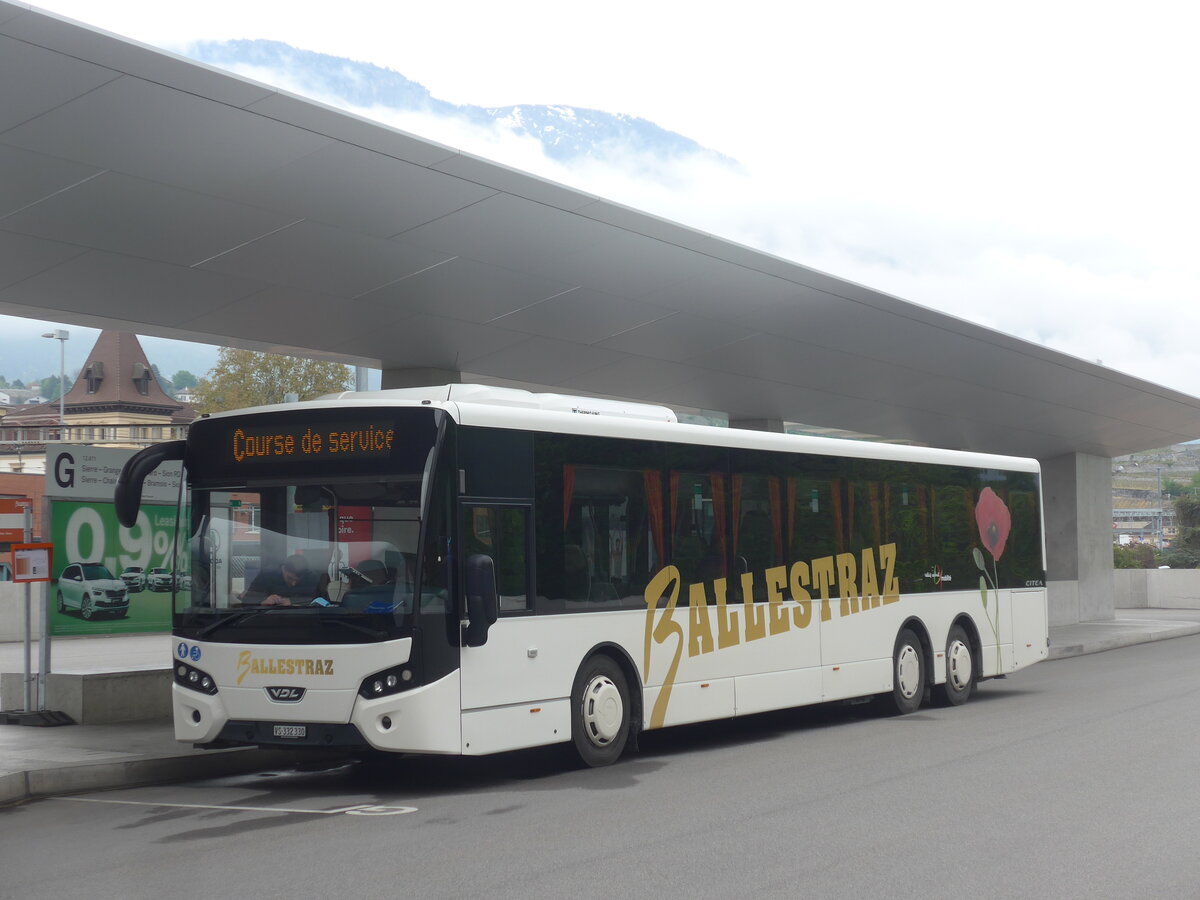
<point x="160" y="579"/>
<point x="91" y="589"/>
<point x="134" y="578"/>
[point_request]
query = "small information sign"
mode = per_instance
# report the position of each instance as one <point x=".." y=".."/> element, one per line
<point x="12" y="519"/>
<point x="31" y="562"/>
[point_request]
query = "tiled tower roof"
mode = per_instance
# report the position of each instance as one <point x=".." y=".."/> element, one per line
<point x="117" y="378"/>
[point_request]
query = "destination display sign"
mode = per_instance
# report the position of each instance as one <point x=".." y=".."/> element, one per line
<point x="283" y="443"/>
<point x="299" y="443"/>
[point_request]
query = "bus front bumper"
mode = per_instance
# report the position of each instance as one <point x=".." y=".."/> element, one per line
<point x="422" y="720"/>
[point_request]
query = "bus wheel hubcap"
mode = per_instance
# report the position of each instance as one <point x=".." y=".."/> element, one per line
<point x="958" y="659"/>
<point x="603" y="710"/>
<point x="908" y="671"/>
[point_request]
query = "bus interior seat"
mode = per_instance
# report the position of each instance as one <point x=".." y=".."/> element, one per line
<point x="755" y="541"/>
<point x="688" y="556"/>
<point x="711" y="567"/>
<point x="575" y="573"/>
<point x="380" y="596"/>
<point x="603" y="591"/>
<point x="308" y="494"/>
<point x="400" y="566"/>
<point x="376" y="571"/>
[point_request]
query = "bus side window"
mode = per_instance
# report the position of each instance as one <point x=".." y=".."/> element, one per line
<point x="612" y="535"/>
<point x="501" y="533"/>
<point x="698" y="525"/>
<point x="757" y="528"/>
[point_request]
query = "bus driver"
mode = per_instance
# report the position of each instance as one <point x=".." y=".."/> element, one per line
<point x="292" y="583"/>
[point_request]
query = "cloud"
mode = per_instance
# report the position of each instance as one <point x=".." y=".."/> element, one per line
<point x="1075" y="285"/>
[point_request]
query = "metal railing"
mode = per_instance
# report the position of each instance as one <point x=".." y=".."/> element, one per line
<point x="31" y="437"/>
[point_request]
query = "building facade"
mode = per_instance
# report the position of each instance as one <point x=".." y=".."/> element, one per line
<point x="116" y="401"/>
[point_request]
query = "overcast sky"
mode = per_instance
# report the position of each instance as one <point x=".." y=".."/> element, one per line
<point x="1028" y="166"/>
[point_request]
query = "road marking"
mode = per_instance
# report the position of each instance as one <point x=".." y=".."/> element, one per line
<point x="363" y="809"/>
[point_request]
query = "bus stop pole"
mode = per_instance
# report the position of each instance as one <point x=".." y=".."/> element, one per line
<point x="44" y="646"/>
<point x="28" y="668"/>
<point x="28" y="622"/>
<point x="44" y="616"/>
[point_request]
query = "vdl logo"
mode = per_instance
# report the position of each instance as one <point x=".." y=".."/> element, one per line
<point x="285" y="694"/>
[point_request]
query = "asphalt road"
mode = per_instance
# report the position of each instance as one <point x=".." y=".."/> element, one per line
<point x="1077" y="778"/>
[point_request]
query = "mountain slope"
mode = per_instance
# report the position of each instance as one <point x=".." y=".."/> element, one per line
<point x="566" y="133"/>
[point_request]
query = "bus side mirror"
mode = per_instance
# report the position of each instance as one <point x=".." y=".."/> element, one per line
<point x="482" y="603"/>
<point x="127" y="496"/>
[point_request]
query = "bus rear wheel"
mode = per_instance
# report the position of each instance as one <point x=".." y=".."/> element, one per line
<point x="960" y="668"/>
<point x="600" y="712"/>
<point x="908" y="674"/>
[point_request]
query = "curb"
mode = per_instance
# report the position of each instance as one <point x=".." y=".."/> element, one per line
<point x="1115" y="642"/>
<point x="16" y="787"/>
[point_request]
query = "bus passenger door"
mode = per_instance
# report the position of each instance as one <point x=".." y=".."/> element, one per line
<point x="499" y="677"/>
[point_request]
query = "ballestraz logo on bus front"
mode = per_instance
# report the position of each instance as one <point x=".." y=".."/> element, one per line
<point x="248" y="664"/>
<point x="862" y="583"/>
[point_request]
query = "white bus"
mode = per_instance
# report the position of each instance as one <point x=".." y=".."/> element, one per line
<point x="467" y="570"/>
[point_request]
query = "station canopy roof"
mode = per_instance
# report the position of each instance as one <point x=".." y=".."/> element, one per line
<point x="143" y="192"/>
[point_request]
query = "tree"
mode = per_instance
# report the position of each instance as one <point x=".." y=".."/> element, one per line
<point x="50" y="388"/>
<point x="1172" y="487"/>
<point x="184" y="379"/>
<point x="246" y="378"/>
<point x="1187" y="513"/>
<point x="1135" y="556"/>
<point x="1179" y="558"/>
<point x="163" y="381"/>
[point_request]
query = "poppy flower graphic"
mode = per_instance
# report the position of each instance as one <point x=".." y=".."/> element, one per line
<point x="994" y="521"/>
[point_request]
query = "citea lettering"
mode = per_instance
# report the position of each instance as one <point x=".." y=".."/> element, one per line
<point x="848" y="583"/>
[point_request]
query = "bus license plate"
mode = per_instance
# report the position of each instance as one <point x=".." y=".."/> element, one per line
<point x="290" y="731"/>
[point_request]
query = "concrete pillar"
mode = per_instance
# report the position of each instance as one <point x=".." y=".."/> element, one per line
<point x="418" y="377"/>
<point x="1077" y="492"/>
<point x="773" y="425"/>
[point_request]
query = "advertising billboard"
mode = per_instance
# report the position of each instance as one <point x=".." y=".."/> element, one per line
<point x="108" y="579"/>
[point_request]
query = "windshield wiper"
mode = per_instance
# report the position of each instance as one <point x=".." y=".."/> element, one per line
<point x="334" y="620"/>
<point x="235" y="617"/>
<point x="247" y="615"/>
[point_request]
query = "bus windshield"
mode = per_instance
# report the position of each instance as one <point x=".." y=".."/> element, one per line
<point x="306" y="525"/>
<point x="286" y="561"/>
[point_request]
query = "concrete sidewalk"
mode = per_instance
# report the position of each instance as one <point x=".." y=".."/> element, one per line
<point x="1129" y="627"/>
<point x="56" y="760"/>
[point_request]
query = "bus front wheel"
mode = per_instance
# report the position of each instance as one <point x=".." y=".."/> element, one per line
<point x="600" y="711"/>
<point x="908" y="674"/>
